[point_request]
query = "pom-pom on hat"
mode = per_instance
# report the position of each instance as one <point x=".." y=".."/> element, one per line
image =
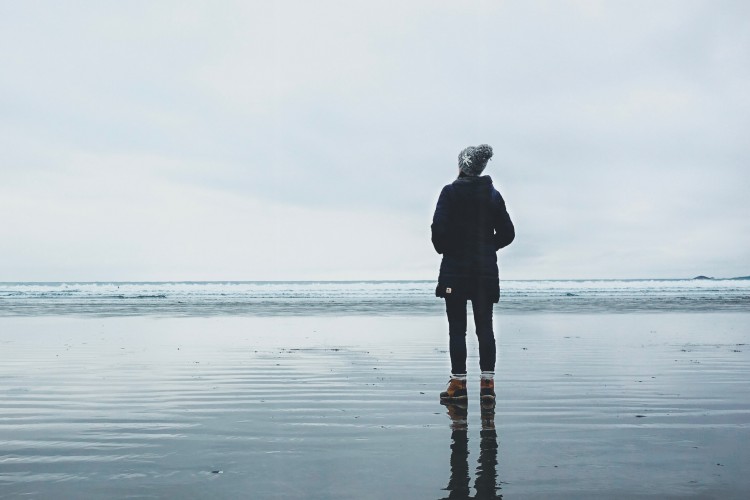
<point x="473" y="159"/>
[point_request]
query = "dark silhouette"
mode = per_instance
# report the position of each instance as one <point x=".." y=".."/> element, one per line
<point x="470" y="225"/>
<point x="486" y="484"/>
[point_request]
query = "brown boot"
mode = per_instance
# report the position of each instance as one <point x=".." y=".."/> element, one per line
<point x="455" y="393"/>
<point x="487" y="392"/>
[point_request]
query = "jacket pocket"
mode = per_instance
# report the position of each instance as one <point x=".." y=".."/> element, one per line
<point x="444" y="291"/>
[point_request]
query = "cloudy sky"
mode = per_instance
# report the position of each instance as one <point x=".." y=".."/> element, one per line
<point x="309" y="140"/>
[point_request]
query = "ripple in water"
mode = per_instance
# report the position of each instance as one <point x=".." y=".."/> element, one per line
<point x="347" y="407"/>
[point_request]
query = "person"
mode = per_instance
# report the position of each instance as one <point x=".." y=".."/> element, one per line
<point x="471" y="223"/>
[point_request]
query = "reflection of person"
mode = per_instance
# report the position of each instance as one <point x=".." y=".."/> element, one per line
<point x="485" y="482"/>
<point x="470" y="225"/>
<point x="458" y="483"/>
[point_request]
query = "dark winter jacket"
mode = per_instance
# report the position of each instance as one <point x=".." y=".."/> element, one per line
<point x="470" y="225"/>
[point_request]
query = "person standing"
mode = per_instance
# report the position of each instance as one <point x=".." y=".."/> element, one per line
<point x="470" y="225"/>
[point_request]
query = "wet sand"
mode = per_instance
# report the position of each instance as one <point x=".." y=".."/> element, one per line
<point x="589" y="406"/>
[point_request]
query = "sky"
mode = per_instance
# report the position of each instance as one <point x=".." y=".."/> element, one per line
<point x="297" y="140"/>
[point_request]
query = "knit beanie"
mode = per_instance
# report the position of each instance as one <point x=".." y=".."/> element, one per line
<point x="473" y="159"/>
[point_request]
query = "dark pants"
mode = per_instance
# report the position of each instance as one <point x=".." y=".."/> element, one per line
<point x="456" y="309"/>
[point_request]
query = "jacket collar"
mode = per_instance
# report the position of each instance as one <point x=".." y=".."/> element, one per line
<point x="470" y="179"/>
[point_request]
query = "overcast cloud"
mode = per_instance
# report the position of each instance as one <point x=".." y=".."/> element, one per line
<point x="309" y="140"/>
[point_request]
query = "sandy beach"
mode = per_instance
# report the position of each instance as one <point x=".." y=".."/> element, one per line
<point x="589" y="406"/>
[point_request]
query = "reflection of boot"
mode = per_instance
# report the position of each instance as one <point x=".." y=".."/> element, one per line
<point x="487" y="392"/>
<point x="488" y="417"/>
<point x="457" y="414"/>
<point x="455" y="393"/>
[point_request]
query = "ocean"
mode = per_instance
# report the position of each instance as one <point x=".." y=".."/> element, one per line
<point x="379" y="298"/>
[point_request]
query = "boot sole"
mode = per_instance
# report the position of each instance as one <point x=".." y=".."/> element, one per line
<point x="458" y="404"/>
<point x="487" y="400"/>
<point x="453" y="400"/>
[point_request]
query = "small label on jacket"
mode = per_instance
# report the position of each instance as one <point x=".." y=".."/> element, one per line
<point x="447" y="290"/>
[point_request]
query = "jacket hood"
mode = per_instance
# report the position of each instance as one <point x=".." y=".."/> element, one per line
<point x="472" y="190"/>
<point x="473" y="180"/>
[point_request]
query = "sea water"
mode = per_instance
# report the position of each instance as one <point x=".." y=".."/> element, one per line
<point x="380" y="298"/>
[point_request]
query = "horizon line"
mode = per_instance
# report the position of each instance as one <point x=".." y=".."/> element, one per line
<point x="696" y="278"/>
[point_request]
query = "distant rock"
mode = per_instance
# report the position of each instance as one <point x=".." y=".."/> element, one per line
<point x="701" y="277"/>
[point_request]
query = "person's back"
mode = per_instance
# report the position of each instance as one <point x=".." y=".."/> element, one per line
<point x="476" y="210"/>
